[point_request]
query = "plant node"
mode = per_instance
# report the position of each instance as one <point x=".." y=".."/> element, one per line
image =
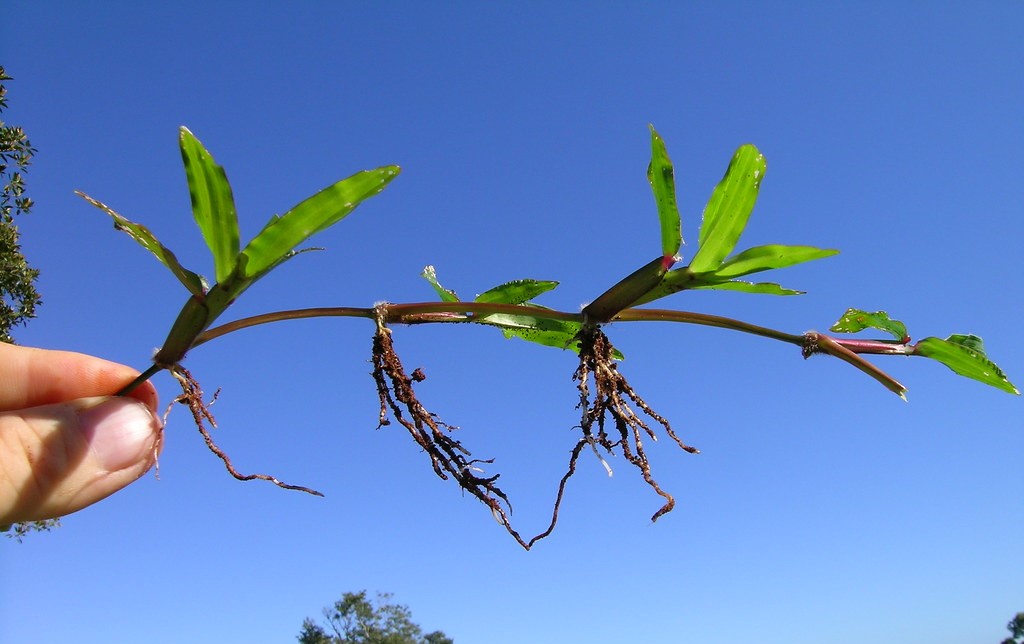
<point x="192" y="397"/>
<point x="615" y="398"/>
<point x="810" y="345"/>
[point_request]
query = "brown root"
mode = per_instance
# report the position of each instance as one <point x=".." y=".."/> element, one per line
<point x="192" y="397"/>
<point x="447" y="456"/>
<point x="615" y="397"/>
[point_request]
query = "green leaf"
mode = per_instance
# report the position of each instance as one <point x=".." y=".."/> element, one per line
<point x="763" y="258"/>
<point x="661" y="177"/>
<point x="965" y="355"/>
<point x="557" y="338"/>
<point x="729" y="208"/>
<point x="287" y="256"/>
<point x="763" y="288"/>
<point x="138" y="232"/>
<point x="551" y="333"/>
<point x="515" y="292"/>
<point x="322" y="210"/>
<point x="672" y="282"/>
<point x="855" y="321"/>
<point x="445" y="294"/>
<point x="559" y="334"/>
<point x="753" y="260"/>
<point x="213" y="205"/>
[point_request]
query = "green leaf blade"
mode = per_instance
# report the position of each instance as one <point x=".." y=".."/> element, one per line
<point x="550" y="333"/>
<point x="313" y="215"/>
<point x="661" y="176"/>
<point x="965" y="356"/>
<point x="446" y="295"/>
<point x="729" y="208"/>
<point x="213" y="205"/>
<point x="772" y="256"/>
<point x="560" y="334"/>
<point x="855" y="321"/>
<point x="760" y="288"/>
<point x="138" y="232"/>
<point x="559" y="338"/>
<point x="672" y="282"/>
<point x="515" y="292"/>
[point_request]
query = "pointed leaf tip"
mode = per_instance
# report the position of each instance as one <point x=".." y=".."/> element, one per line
<point x="213" y="205"/>
<point x="311" y="216"/>
<point x="193" y="282"/>
<point x="769" y="257"/>
<point x="729" y="208"/>
<point x="760" y="288"/>
<point x="446" y="295"/>
<point x="516" y="291"/>
<point x="661" y="176"/>
<point x="965" y="356"/>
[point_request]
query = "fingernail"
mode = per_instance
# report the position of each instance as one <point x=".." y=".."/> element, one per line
<point x="121" y="432"/>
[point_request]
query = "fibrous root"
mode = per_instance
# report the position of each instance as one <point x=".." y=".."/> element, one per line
<point x="192" y="397"/>
<point x="447" y="455"/>
<point x="614" y="398"/>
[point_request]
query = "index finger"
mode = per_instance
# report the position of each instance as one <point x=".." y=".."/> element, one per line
<point x="31" y="377"/>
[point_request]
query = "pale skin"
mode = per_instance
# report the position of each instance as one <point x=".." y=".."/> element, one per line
<point x="65" y="441"/>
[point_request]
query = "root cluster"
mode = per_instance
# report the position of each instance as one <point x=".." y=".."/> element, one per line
<point x="614" y="418"/>
<point x="613" y="399"/>
<point x="447" y="455"/>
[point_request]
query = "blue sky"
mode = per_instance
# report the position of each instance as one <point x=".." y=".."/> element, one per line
<point x="822" y="508"/>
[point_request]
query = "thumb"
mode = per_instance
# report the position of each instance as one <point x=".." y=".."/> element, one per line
<point x="57" y="459"/>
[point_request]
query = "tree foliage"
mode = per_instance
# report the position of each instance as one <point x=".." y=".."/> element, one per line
<point x="18" y="296"/>
<point x="1016" y="628"/>
<point x="355" y="619"/>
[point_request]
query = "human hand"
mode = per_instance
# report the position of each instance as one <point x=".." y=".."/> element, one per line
<point x="65" y="442"/>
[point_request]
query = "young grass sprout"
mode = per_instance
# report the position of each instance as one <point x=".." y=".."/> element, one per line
<point x="614" y="417"/>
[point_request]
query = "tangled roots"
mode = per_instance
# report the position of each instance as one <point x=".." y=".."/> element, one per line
<point x="612" y="398"/>
<point x="447" y="455"/>
<point x="192" y="397"/>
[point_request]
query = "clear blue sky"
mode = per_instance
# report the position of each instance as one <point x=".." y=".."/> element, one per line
<point x="822" y="509"/>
